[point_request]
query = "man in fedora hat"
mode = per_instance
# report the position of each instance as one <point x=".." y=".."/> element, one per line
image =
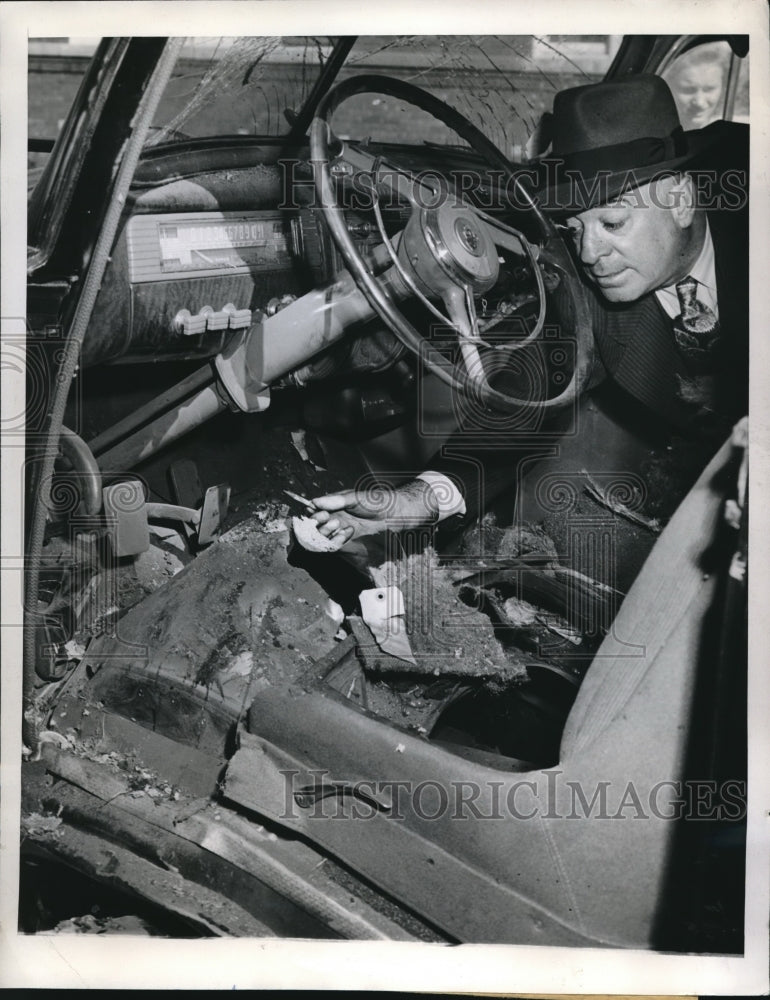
<point x="628" y="183"/>
<point x="658" y="220"/>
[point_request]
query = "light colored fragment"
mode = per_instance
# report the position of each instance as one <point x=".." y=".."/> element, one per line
<point x="383" y="610"/>
<point x="37" y="824"/>
<point x="49" y="736"/>
<point x="334" y="611"/>
<point x="519" y="612"/>
<point x="298" y="440"/>
<point x="307" y="534"/>
<point x="74" y="650"/>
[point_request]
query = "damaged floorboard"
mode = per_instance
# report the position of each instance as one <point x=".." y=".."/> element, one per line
<point x="284" y="882"/>
<point x="120" y="868"/>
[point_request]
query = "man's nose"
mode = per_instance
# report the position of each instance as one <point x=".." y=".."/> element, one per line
<point x="592" y="246"/>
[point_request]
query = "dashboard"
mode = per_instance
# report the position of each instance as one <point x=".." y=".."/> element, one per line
<point x="179" y="282"/>
<point x="210" y="238"/>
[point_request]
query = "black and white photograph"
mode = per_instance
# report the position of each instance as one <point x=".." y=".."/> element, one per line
<point x="380" y="410"/>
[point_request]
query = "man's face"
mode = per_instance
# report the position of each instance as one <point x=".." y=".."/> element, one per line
<point x="697" y="91"/>
<point x="633" y="245"/>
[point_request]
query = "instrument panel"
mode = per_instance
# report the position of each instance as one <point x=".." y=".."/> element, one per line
<point x="207" y="244"/>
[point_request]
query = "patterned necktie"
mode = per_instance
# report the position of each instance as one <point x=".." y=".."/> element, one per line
<point x="696" y="329"/>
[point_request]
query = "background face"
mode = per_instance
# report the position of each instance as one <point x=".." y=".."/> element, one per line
<point x="709" y="83"/>
<point x="698" y="91"/>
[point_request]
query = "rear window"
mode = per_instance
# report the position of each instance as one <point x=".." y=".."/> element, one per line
<point x="709" y="83"/>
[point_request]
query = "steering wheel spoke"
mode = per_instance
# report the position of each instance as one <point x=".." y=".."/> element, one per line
<point x="462" y="312"/>
<point x="507" y="237"/>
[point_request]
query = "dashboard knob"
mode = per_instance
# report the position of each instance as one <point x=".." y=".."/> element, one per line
<point x="229" y="317"/>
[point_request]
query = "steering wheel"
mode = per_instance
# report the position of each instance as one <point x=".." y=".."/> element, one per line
<point x="448" y="251"/>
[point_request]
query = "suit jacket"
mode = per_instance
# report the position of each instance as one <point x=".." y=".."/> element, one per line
<point x="635" y="346"/>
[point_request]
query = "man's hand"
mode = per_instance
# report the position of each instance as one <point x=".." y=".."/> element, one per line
<point x="354" y="513"/>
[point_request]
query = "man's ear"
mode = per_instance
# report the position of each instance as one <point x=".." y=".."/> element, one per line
<point x="682" y="200"/>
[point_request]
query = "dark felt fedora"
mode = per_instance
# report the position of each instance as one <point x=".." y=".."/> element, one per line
<point x="609" y="137"/>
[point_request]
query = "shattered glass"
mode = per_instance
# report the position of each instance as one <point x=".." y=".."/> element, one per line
<point x="502" y="84"/>
<point x="254" y="86"/>
<point x="238" y="86"/>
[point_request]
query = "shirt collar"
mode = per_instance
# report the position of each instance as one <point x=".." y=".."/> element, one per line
<point x="704" y="272"/>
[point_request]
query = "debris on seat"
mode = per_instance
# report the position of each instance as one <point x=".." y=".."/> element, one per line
<point x="446" y="636"/>
<point x="485" y="539"/>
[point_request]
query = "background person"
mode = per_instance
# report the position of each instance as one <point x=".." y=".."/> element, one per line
<point x="697" y="80"/>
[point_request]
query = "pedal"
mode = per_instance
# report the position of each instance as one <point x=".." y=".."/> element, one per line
<point x="213" y="513"/>
<point x="125" y="510"/>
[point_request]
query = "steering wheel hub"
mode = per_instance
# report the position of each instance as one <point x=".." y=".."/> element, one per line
<point x="468" y="235"/>
<point x="449" y="245"/>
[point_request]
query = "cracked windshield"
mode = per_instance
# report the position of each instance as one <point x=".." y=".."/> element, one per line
<point x="257" y="86"/>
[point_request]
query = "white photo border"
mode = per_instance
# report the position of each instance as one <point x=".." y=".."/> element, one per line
<point x="122" y="962"/>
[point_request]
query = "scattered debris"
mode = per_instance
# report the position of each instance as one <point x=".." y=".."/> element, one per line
<point x="438" y="624"/>
<point x="156" y="566"/>
<point x="231" y="622"/>
<point x="485" y="540"/>
<point x="36" y="825"/>
<point x="74" y="650"/>
<point x="605" y="498"/>
<point x="271" y="518"/>
<point x="90" y="924"/>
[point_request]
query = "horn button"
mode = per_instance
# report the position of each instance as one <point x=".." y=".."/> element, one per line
<point x="449" y="244"/>
<point x="469" y="236"/>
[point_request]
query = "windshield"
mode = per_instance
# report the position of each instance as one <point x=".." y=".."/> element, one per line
<point x="255" y="86"/>
<point x="502" y="84"/>
<point x="238" y="86"/>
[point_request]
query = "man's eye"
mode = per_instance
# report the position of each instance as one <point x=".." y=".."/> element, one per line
<point x="612" y="226"/>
